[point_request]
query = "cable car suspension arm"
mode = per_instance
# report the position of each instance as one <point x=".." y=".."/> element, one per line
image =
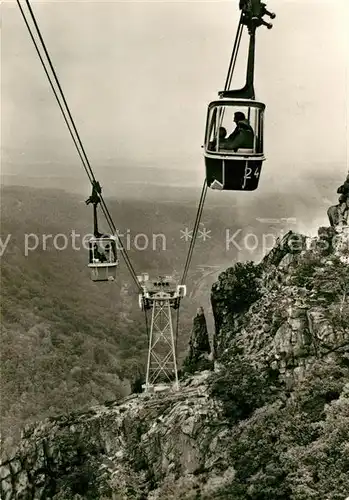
<point x="252" y="12"/>
<point x="95" y="200"/>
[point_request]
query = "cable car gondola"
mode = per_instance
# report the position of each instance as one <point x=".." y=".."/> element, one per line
<point x="103" y="258"/>
<point x="234" y="154"/>
<point x="234" y="161"/>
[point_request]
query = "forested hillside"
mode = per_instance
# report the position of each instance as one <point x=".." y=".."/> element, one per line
<point x="68" y="343"/>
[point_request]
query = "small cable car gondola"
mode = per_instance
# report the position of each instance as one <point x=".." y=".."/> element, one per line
<point x="103" y="260"/>
<point x="234" y="143"/>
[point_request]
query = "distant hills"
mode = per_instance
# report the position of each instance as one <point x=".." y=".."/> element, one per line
<point x="166" y="182"/>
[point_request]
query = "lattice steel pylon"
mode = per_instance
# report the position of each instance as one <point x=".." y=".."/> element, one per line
<point x="162" y="363"/>
<point x="161" y="295"/>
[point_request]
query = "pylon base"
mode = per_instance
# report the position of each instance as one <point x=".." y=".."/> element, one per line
<point x="151" y="388"/>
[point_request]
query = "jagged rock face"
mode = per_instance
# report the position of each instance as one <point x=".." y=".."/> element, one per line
<point x="120" y="451"/>
<point x="338" y="214"/>
<point x="302" y="311"/>
<point x="199" y="345"/>
<point x="281" y="316"/>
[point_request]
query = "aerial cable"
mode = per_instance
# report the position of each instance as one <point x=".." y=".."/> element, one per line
<point x="83" y="156"/>
<point x="146" y="323"/>
<point x="59" y="86"/>
<point x="191" y="250"/>
<point x="197" y="222"/>
<point x="177" y="332"/>
<point x="195" y="231"/>
<point x="54" y="91"/>
<point x="231" y="69"/>
<point x="71" y="128"/>
<point x="234" y="54"/>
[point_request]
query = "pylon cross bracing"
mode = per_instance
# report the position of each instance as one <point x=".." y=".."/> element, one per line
<point x="162" y="362"/>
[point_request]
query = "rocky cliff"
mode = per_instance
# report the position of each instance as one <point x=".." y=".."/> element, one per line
<point x="297" y="304"/>
<point x="271" y="421"/>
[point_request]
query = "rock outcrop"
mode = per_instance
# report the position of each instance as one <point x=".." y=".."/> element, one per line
<point x="285" y="320"/>
<point x="199" y="345"/>
<point x="301" y="311"/>
<point x="122" y="451"/>
<point x="338" y="214"/>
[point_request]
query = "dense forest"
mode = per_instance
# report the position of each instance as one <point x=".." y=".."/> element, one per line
<point x="67" y="342"/>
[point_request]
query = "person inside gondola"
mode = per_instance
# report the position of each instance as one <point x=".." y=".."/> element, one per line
<point x="222" y="139"/>
<point x="103" y="257"/>
<point x="109" y="254"/>
<point x="98" y="256"/>
<point x="243" y="136"/>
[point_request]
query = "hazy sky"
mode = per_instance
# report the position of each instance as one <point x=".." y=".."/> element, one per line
<point x="138" y="77"/>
